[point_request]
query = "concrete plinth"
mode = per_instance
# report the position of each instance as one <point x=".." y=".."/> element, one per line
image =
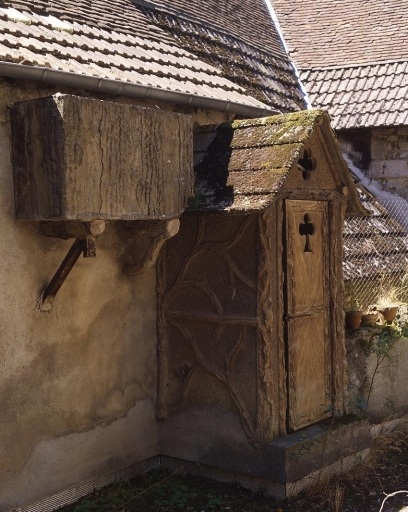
<point x="278" y="466"/>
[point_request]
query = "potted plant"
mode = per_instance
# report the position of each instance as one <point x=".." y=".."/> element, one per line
<point x="389" y="301"/>
<point x="354" y="313"/>
<point x="389" y="312"/>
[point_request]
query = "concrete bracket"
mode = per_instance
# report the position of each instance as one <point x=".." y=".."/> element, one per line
<point x="85" y="235"/>
<point x="156" y="233"/>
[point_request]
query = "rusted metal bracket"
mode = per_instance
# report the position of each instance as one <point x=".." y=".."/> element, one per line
<point x="85" y="246"/>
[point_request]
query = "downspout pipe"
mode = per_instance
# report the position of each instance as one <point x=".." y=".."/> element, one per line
<point x="116" y="87"/>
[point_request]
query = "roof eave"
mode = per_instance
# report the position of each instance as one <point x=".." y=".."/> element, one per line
<point x="129" y="89"/>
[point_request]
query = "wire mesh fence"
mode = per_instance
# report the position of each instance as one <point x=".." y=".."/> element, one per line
<point x="376" y="252"/>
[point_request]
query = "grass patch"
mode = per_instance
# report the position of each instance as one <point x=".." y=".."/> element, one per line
<point x="166" y="491"/>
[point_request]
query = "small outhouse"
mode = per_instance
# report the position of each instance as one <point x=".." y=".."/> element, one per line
<point x="251" y="329"/>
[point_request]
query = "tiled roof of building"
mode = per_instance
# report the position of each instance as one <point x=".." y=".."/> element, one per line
<point x="323" y="33"/>
<point x="250" y="22"/>
<point x="360" y="96"/>
<point x="351" y="57"/>
<point x="123" y="42"/>
<point x="237" y="37"/>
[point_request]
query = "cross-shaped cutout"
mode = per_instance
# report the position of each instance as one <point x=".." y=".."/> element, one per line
<point x="306" y="165"/>
<point x="307" y="230"/>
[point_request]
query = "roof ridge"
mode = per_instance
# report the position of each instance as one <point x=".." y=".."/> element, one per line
<point x="347" y="66"/>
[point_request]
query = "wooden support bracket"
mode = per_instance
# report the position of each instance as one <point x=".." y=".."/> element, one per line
<point x="85" y="245"/>
<point x="157" y="232"/>
<point x="86" y="233"/>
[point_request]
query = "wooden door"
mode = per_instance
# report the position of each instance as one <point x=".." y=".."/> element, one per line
<point x="307" y="302"/>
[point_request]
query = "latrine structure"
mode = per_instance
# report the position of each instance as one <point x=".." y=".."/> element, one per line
<point x="251" y="330"/>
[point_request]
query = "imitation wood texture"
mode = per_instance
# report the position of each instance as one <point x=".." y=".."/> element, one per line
<point x="81" y="158"/>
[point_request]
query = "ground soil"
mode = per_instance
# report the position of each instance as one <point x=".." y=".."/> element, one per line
<point x="362" y="490"/>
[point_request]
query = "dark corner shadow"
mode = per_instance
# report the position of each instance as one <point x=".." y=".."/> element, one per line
<point x="212" y="150"/>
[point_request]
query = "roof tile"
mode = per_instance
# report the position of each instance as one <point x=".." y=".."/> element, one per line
<point x="179" y="44"/>
<point x="355" y="60"/>
<point x="379" y="99"/>
<point x="355" y="35"/>
<point x="160" y="65"/>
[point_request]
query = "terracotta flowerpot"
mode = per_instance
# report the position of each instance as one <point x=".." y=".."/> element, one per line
<point x="389" y="313"/>
<point x="370" y="318"/>
<point x="353" y="319"/>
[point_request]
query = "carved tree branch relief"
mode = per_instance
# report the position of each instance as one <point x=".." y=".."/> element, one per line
<point x="208" y="308"/>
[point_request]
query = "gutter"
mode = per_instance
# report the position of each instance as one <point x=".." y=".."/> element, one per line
<point x="116" y="87"/>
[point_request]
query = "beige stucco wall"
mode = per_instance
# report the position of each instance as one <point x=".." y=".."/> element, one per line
<point x="77" y="385"/>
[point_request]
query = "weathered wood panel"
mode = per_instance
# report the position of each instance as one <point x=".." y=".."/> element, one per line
<point x="81" y="158"/>
<point x="308" y="298"/>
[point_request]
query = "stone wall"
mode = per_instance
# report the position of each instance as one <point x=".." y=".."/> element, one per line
<point x="389" y="159"/>
<point x="77" y="384"/>
<point x="381" y="153"/>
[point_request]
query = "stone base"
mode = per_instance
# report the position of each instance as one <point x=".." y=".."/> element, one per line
<point x="217" y="439"/>
<point x="277" y="490"/>
<point x="283" y="468"/>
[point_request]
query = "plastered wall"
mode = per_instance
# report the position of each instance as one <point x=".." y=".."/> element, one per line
<point x="376" y="386"/>
<point x="77" y="385"/>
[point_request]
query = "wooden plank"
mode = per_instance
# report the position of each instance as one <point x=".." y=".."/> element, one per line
<point x="212" y="318"/>
<point x="256" y="182"/>
<point x="81" y="158"/>
<point x="309" y="371"/>
<point x="280" y="156"/>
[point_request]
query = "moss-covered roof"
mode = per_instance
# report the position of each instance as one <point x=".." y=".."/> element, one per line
<point x="241" y="165"/>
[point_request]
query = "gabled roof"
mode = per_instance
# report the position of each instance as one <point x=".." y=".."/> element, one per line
<point x="352" y="57"/>
<point x="242" y="165"/>
<point x="120" y="47"/>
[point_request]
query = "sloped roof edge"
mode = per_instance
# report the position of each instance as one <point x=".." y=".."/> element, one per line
<point x="115" y="87"/>
<point x="241" y="165"/>
<point x="228" y="18"/>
